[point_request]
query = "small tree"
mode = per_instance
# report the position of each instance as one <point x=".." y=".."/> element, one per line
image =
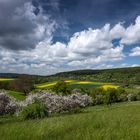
<point x="111" y="96"/>
<point x="61" y="87"/>
<point x="35" y="110"/>
<point x="24" y="84"/>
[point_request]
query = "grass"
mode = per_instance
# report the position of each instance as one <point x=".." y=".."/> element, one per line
<point x="17" y="95"/>
<point x="75" y="84"/>
<point x="132" y="90"/>
<point x="6" y="79"/>
<point x="118" y="122"/>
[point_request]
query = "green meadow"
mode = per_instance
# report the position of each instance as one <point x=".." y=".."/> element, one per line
<point x="17" y="95"/>
<point x="117" y="122"/>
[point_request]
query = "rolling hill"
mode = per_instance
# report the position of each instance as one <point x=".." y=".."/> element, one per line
<point x="125" y="76"/>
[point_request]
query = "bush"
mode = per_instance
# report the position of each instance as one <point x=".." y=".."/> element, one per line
<point x="57" y="103"/>
<point x="95" y="91"/>
<point x="122" y="95"/>
<point x="120" y="91"/>
<point x="110" y="96"/>
<point x="35" y="110"/>
<point x="76" y="90"/>
<point x="98" y="91"/>
<point x="97" y="99"/>
<point x="138" y="96"/>
<point x="7" y="104"/>
<point x="131" y="97"/>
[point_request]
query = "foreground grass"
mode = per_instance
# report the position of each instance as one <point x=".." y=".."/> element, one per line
<point x="118" y="122"/>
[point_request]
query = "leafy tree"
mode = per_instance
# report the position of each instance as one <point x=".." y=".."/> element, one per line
<point x="24" y="84"/>
<point x="61" y="87"/>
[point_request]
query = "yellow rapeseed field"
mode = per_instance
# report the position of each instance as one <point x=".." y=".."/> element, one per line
<point x="70" y="82"/>
<point x="105" y="87"/>
<point x="6" y="79"/>
<point x="84" y="82"/>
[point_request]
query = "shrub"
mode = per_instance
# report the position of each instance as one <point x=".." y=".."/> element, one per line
<point x="122" y="98"/>
<point x="110" y="96"/>
<point x="35" y="110"/>
<point x="95" y="91"/>
<point x="98" y="91"/>
<point x="122" y="94"/>
<point x="131" y="97"/>
<point x="138" y="96"/>
<point x="7" y="104"/>
<point x="76" y="90"/>
<point x="55" y="103"/>
<point x="120" y="91"/>
<point x="97" y="99"/>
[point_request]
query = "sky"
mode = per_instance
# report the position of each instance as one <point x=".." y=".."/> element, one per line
<point x="44" y="37"/>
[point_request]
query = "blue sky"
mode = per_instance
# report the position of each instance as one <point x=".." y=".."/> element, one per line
<point x="48" y="36"/>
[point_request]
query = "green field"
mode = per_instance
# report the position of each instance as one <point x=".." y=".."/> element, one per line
<point x="17" y="95"/>
<point x="118" y="122"/>
<point x="75" y="84"/>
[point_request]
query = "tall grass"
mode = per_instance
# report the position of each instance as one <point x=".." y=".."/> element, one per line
<point x="118" y="122"/>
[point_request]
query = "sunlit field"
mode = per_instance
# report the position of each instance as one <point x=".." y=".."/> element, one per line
<point x="78" y="84"/>
<point x="105" y="87"/>
<point x="6" y="79"/>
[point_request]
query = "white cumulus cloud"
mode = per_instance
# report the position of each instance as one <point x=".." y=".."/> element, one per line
<point x="135" y="51"/>
<point x="91" y="48"/>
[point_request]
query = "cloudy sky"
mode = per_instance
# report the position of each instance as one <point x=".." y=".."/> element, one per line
<point x="48" y="36"/>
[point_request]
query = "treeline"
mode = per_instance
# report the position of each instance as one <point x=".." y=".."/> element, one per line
<point x="123" y="76"/>
<point x="36" y="78"/>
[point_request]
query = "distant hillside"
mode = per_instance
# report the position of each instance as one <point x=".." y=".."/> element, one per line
<point x="124" y="76"/>
<point x="91" y="71"/>
<point x="36" y="78"/>
<point x="9" y="75"/>
<point x="16" y="75"/>
<point x="118" y="75"/>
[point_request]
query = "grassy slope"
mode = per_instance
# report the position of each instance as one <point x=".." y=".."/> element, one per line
<point x="119" y="122"/>
<point x="17" y="95"/>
